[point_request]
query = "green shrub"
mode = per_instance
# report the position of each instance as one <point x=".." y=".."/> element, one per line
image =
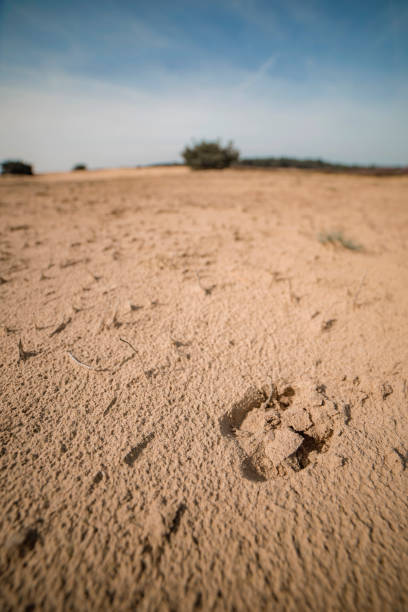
<point x="16" y="167"/>
<point x="79" y="167"/>
<point x="339" y="239"/>
<point x="206" y="155"/>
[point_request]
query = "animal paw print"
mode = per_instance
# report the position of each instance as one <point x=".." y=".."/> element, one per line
<point x="274" y="436"/>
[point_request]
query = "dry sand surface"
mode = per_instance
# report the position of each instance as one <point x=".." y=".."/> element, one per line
<point x="202" y="405"/>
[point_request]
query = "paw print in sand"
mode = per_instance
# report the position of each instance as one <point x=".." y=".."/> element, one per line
<point x="274" y="437"/>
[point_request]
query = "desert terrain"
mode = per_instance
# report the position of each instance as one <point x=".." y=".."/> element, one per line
<point x="204" y="391"/>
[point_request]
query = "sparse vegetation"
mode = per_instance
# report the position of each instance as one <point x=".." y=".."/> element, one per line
<point x="79" y="167"/>
<point x="339" y="239"/>
<point x="288" y="162"/>
<point x="16" y="167"/>
<point x="210" y="155"/>
<point x="318" y="164"/>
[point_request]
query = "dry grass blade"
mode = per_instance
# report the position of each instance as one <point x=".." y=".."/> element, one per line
<point x="138" y="355"/>
<point x="84" y="365"/>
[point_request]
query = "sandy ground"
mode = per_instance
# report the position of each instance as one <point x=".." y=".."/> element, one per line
<point x="246" y="448"/>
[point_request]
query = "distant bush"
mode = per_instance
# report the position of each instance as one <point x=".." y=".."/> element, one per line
<point x="79" y="167"/>
<point x="16" y="167"/>
<point x="206" y="155"/>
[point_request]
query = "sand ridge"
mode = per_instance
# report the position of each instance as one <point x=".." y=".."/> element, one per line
<point x="203" y="406"/>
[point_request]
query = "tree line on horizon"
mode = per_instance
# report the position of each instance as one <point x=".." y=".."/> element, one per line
<point x="211" y="155"/>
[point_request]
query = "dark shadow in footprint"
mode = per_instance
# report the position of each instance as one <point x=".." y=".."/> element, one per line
<point x="309" y="445"/>
<point x="234" y="418"/>
<point x="264" y="450"/>
<point x="249" y="471"/>
<point x="226" y="426"/>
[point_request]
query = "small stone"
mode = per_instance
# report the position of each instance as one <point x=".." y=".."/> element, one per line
<point x="284" y="444"/>
<point x="272" y="418"/>
<point x="297" y="418"/>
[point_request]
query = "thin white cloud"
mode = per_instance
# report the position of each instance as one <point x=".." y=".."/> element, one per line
<point x="258" y="74"/>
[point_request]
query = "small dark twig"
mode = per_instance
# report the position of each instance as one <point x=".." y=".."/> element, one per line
<point x="326" y="325"/>
<point x="138" y="355"/>
<point x="72" y="262"/>
<point x="115" y="321"/>
<point x="134" y="307"/>
<point x="61" y="327"/>
<point x="112" y="403"/>
<point x="403" y="458"/>
<point x="24" y="355"/>
<point x="178" y="343"/>
<point x="386" y="390"/>
<point x="45" y="277"/>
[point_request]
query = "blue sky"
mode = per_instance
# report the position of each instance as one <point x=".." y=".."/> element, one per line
<point x="126" y="83"/>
